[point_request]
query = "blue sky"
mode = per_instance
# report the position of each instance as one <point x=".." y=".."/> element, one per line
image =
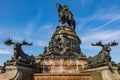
<point x="36" y="21"/>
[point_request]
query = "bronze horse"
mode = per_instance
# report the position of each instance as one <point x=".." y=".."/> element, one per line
<point x="65" y="15"/>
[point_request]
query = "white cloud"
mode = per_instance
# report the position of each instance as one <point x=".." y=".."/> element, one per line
<point x="108" y="13"/>
<point x="45" y="32"/>
<point x="41" y="43"/>
<point x="105" y="36"/>
<point x="4" y="51"/>
<point x="83" y="3"/>
<point x="29" y="29"/>
<point x="1" y="33"/>
<point x="108" y="16"/>
<point x="109" y="22"/>
<point x="32" y="23"/>
<point x="46" y="27"/>
<point x="105" y="16"/>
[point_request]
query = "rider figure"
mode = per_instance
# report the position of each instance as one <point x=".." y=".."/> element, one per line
<point x="67" y="12"/>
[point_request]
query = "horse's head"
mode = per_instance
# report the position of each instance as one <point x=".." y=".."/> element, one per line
<point x="58" y="6"/>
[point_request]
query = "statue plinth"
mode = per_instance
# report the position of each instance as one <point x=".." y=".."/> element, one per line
<point x="64" y="44"/>
<point x="61" y="66"/>
<point x="47" y="76"/>
<point x="104" y="73"/>
<point x="63" y="54"/>
<point x="17" y="73"/>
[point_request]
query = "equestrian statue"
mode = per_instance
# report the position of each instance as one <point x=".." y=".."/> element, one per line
<point x="65" y="15"/>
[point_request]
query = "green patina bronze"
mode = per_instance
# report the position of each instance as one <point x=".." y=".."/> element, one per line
<point x="103" y="57"/>
<point x="19" y="57"/>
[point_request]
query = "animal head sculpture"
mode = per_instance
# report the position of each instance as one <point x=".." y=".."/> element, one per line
<point x="17" y="45"/>
<point x="10" y="42"/>
<point x="24" y="42"/>
<point x="105" y="47"/>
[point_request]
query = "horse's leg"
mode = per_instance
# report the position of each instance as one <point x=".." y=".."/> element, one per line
<point x="69" y="23"/>
<point x="62" y="21"/>
<point x="74" y="24"/>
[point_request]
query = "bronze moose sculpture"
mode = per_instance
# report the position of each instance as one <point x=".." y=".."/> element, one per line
<point x="103" y="58"/>
<point x="19" y="57"/>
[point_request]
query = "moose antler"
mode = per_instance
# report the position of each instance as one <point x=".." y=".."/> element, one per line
<point x="8" y="42"/>
<point x="99" y="43"/>
<point x="24" y="42"/>
<point x="114" y="43"/>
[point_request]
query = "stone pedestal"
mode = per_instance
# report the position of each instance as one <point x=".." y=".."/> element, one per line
<point x="63" y="54"/>
<point x="61" y="66"/>
<point x="83" y="76"/>
<point x="17" y="73"/>
<point x="104" y="73"/>
<point x="62" y="58"/>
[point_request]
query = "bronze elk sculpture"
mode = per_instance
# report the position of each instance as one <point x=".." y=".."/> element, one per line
<point x="103" y="57"/>
<point x="19" y="57"/>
